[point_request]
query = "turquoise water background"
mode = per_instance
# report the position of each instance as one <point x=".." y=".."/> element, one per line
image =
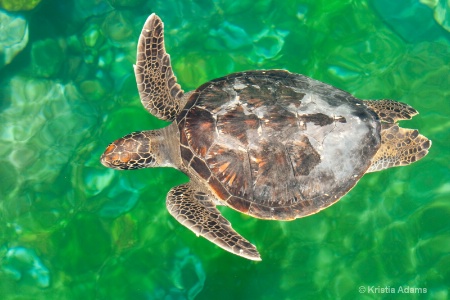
<point x="72" y="229"/>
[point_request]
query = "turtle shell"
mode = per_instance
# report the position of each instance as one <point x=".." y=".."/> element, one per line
<point x="277" y="145"/>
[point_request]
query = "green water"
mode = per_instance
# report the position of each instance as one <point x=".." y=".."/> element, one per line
<point x="72" y="229"/>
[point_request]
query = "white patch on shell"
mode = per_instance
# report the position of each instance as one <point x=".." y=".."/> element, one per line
<point x="215" y="122"/>
<point x="296" y="90"/>
<point x="240" y="86"/>
<point x="307" y="99"/>
<point x="259" y="130"/>
<point x="302" y="125"/>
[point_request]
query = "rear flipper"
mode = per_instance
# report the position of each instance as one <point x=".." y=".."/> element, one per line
<point x="399" y="147"/>
<point x="196" y="210"/>
<point x="391" y="111"/>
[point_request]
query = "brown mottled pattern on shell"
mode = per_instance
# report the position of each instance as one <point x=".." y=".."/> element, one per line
<point x="200" y="128"/>
<point x="234" y="177"/>
<point x="278" y="145"/>
<point x="279" y="119"/>
<point x="305" y="156"/>
<point x="217" y="187"/>
<point x="201" y="167"/>
<point x="226" y="123"/>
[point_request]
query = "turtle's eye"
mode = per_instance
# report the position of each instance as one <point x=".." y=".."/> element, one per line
<point x="122" y="165"/>
<point x="116" y="162"/>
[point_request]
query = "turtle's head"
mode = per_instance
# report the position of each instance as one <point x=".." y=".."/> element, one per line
<point x="134" y="151"/>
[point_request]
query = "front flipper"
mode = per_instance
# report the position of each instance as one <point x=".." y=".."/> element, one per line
<point x="158" y="88"/>
<point x="196" y="211"/>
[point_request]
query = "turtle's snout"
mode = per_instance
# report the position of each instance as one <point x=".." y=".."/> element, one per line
<point x="114" y="158"/>
<point x="126" y="154"/>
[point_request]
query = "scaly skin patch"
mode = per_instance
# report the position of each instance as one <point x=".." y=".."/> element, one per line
<point x="196" y="211"/>
<point x="391" y="111"/>
<point x="399" y="146"/>
<point x="160" y="93"/>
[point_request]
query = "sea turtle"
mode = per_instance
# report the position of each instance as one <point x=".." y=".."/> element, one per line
<point x="270" y="144"/>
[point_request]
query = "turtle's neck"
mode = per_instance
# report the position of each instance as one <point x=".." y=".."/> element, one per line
<point x="169" y="147"/>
